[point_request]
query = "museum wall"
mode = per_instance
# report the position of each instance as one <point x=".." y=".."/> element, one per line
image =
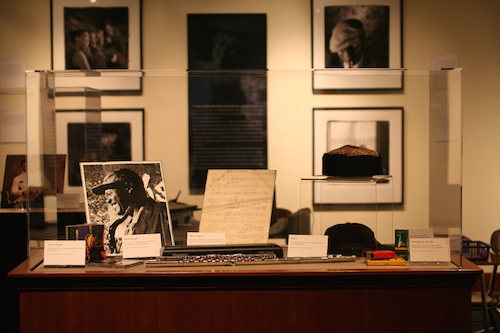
<point x="465" y="28"/>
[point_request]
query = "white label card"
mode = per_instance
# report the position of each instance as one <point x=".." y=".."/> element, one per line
<point x="430" y="249"/>
<point x="307" y="246"/>
<point x="12" y="74"/>
<point x="12" y="125"/>
<point x="206" y="238"/>
<point x="68" y="200"/>
<point x="141" y="245"/>
<point x="64" y="253"/>
<point x="421" y="233"/>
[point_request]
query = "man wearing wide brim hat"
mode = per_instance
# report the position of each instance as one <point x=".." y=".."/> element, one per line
<point x="124" y="193"/>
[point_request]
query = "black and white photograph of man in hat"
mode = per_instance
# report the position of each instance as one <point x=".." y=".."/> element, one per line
<point x="357" y="36"/>
<point x="128" y="198"/>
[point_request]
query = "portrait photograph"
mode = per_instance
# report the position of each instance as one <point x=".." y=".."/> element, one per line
<point x="97" y="36"/>
<point x="357" y="36"/>
<point x="127" y="198"/>
<point x="362" y="35"/>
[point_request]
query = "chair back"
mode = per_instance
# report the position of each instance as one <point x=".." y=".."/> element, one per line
<point x="495" y="242"/>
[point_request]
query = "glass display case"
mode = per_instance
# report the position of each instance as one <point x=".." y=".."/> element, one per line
<point x="195" y="121"/>
<point x="340" y="200"/>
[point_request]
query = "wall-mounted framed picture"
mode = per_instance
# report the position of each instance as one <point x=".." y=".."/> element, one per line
<point x="352" y="41"/>
<point x="121" y="138"/>
<point x="227" y="82"/>
<point x="379" y="129"/>
<point x="97" y="40"/>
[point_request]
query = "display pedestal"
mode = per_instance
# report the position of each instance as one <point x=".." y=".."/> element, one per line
<point x="324" y="297"/>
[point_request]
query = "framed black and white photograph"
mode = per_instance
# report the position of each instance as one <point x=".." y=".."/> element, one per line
<point x="99" y="35"/>
<point x="352" y="40"/>
<point x="127" y="198"/>
<point x="377" y="129"/>
<point x="119" y="138"/>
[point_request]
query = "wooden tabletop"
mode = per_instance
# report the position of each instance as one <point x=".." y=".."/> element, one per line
<point x="34" y="267"/>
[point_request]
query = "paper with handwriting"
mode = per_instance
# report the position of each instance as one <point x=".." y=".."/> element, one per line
<point x="239" y="203"/>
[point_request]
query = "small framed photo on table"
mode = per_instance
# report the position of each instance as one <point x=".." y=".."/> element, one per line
<point x="127" y="198"/>
<point x="352" y="41"/>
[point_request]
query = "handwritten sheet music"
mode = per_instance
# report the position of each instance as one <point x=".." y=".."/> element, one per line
<point x="239" y="203"/>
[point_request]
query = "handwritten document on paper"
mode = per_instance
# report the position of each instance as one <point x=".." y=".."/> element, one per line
<point x="239" y="203"/>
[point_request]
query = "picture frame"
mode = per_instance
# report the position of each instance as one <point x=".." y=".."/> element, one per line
<point x="226" y="52"/>
<point x="50" y="181"/>
<point x="227" y="42"/>
<point x="97" y="40"/>
<point x="379" y="129"/>
<point x="357" y="45"/>
<point x="124" y="127"/>
<point x="127" y="198"/>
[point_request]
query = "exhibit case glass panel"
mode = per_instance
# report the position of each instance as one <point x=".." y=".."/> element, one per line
<point x="195" y="121"/>
<point x="355" y="200"/>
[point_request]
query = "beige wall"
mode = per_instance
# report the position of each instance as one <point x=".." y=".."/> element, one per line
<point x="468" y="28"/>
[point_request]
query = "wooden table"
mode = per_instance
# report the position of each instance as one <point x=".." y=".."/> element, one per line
<point x="325" y="297"/>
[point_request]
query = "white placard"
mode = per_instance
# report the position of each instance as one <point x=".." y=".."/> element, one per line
<point x="64" y="253"/>
<point x="12" y="74"/>
<point x="12" y="125"/>
<point x="421" y="233"/>
<point x="206" y="238"/>
<point x="141" y="245"/>
<point x="445" y="60"/>
<point x="430" y="249"/>
<point x="307" y="246"/>
<point x="68" y="200"/>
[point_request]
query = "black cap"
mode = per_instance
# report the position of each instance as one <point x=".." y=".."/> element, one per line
<point x="117" y="179"/>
